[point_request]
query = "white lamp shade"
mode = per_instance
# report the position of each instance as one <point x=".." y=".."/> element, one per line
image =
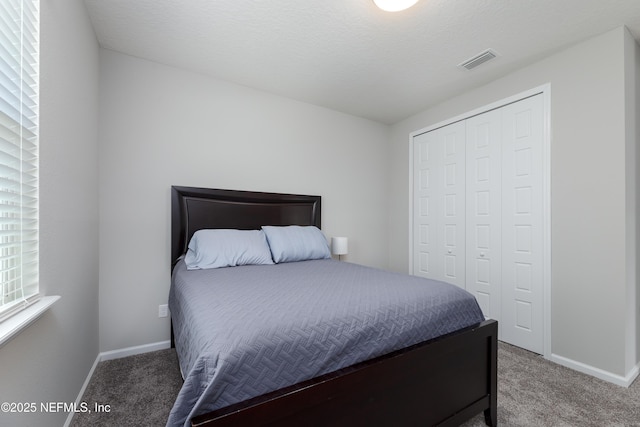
<point x="339" y="245"/>
<point x="394" y="5"/>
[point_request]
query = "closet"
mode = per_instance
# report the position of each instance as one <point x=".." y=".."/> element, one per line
<point x="479" y="211"/>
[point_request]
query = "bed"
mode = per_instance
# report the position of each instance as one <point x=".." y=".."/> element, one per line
<point x="440" y="375"/>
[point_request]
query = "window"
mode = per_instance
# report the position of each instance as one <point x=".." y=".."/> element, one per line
<point x="19" y="45"/>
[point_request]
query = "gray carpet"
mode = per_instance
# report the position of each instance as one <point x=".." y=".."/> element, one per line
<point x="532" y="392"/>
<point x="140" y="391"/>
<point x="535" y="392"/>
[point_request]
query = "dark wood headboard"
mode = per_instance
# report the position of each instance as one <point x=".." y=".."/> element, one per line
<point x="194" y="208"/>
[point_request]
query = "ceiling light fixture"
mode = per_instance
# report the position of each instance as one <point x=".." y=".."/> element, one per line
<point x="394" y="5"/>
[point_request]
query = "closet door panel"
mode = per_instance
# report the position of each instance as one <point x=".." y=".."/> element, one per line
<point x="483" y="219"/>
<point x="426" y="185"/>
<point x="522" y="224"/>
<point x="451" y="212"/>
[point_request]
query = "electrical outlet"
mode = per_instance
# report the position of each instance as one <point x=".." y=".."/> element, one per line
<point x="163" y="310"/>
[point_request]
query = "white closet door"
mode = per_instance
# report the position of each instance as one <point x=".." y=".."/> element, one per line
<point x="426" y="188"/>
<point x="522" y="224"/>
<point x="451" y="212"/>
<point x="479" y="214"/>
<point x="484" y="162"/>
<point x="439" y="204"/>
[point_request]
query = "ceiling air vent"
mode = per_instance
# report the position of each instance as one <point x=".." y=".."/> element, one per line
<point x="481" y="58"/>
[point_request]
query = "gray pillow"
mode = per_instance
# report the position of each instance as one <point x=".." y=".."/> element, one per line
<point x="296" y="243"/>
<point x="227" y="248"/>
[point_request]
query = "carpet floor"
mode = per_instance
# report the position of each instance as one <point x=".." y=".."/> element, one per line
<point x="140" y="391"/>
<point x="532" y="392"/>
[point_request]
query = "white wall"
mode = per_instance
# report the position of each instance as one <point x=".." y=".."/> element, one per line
<point x="160" y="126"/>
<point x="631" y="164"/>
<point x="588" y="193"/>
<point x="636" y="123"/>
<point x="49" y="361"/>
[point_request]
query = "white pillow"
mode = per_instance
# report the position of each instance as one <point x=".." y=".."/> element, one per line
<point x="227" y="248"/>
<point x="296" y="243"/>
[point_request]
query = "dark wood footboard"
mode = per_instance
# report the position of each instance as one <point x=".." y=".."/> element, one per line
<point x="442" y="382"/>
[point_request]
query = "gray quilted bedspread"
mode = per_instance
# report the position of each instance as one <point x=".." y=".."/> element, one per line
<point x="244" y="331"/>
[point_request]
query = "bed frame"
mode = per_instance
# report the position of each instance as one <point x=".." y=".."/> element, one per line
<point x="440" y="382"/>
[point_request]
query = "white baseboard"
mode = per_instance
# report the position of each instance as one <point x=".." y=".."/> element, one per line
<point x="115" y="354"/>
<point x="84" y="387"/>
<point x="624" y="381"/>
<point x="131" y="351"/>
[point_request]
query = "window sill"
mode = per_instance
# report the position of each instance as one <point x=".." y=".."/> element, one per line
<point x="16" y="323"/>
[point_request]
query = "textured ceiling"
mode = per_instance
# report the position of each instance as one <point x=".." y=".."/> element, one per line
<point x="348" y="55"/>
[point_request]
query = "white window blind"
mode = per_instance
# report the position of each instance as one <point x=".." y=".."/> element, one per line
<point x="19" y="54"/>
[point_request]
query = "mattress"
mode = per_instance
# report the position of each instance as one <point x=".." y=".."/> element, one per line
<point x="244" y="331"/>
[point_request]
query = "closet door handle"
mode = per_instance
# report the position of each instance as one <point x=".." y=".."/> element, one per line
<point x="482" y="254"/>
<point x="449" y="251"/>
